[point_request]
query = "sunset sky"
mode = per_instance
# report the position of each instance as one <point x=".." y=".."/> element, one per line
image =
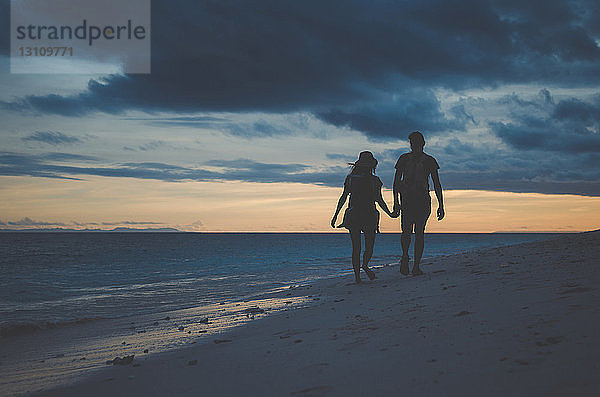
<point x="253" y="108"/>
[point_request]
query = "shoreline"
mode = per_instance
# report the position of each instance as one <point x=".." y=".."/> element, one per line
<point x="61" y="355"/>
<point x="434" y="311"/>
<point x="25" y="327"/>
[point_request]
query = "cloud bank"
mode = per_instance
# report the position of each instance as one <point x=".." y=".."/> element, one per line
<point x="376" y="68"/>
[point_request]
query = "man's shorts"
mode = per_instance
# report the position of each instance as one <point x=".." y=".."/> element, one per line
<point x="416" y="215"/>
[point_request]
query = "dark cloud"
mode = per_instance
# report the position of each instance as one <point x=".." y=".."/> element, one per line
<point x="26" y="221"/>
<point x="30" y="222"/>
<point x="258" y="128"/>
<point x="54" y="138"/>
<point x="463" y="166"/>
<point x="152" y="145"/>
<point x="339" y="156"/>
<point x="131" y="223"/>
<point x="255" y="129"/>
<point x="148" y="146"/>
<point x="38" y="165"/>
<point x="237" y="170"/>
<point x="479" y="166"/>
<point x="396" y="118"/>
<point x="185" y="121"/>
<point x="327" y="56"/>
<point x="60" y="156"/>
<point x="245" y="164"/>
<point x="374" y="68"/>
<point x="4" y="28"/>
<point x="569" y="126"/>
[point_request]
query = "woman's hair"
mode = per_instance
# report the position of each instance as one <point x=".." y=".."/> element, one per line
<point x="365" y="163"/>
<point x="362" y="169"/>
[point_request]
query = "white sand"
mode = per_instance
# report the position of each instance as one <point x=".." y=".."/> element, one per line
<point x="520" y="320"/>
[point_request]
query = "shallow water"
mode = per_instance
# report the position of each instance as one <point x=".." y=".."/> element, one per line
<point x="54" y="279"/>
<point x="72" y="301"/>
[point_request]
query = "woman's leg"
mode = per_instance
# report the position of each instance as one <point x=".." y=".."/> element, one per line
<point x="355" y="236"/>
<point x="369" y="243"/>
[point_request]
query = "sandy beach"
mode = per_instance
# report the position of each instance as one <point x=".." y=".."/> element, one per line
<point x="518" y="320"/>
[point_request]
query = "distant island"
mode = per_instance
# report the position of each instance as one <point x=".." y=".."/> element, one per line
<point x="116" y="229"/>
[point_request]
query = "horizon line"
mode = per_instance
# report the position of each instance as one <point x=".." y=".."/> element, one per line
<point x="174" y="230"/>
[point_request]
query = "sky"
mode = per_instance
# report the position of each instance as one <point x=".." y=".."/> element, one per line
<point x="252" y="110"/>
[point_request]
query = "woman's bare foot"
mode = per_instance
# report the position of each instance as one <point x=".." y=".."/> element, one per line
<point x="417" y="272"/>
<point x="369" y="272"/>
<point x="404" y="265"/>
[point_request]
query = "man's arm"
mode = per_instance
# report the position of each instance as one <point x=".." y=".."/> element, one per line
<point x="396" y="190"/>
<point x="438" y="193"/>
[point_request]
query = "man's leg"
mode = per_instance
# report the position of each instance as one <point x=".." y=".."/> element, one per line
<point x="407" y="226"/>
<point x="420" y="242"/>
<point x="355" y="237"/>
<point x="419" y="246"/>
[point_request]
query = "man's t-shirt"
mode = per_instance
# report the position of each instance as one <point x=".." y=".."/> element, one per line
<point x="415" y="173"/>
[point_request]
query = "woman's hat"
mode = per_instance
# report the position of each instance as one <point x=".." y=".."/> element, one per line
<point x="365" y="159"/>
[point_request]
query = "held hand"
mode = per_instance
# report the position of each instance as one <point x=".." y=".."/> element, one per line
<point x="440" y="213"/>
<point x="396" y="211"/>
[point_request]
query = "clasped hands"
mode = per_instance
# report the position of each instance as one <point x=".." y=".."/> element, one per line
<point x="396" y="212"/>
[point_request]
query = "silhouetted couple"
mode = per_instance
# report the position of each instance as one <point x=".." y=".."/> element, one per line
<point x="411" y="201"/>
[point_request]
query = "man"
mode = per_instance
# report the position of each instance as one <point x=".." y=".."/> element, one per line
<point x="411" y="195"/>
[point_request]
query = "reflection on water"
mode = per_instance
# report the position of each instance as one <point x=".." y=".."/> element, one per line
<point x="39" y="360"/>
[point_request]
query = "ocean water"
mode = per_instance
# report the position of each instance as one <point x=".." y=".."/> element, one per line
<point x="54" y="278"/>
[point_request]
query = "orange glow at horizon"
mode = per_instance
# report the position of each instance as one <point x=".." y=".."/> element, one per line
<point x="269" y="207"/>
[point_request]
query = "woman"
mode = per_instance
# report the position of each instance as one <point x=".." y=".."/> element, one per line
<point x="364" y="188"/>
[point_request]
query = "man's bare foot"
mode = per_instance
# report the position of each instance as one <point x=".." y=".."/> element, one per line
<point x="417" y="272"/>
<point x="369" y="272"/>
<point x="404" y="265"/>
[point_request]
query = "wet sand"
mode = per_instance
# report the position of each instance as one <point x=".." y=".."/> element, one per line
<point x="519" y="320"/>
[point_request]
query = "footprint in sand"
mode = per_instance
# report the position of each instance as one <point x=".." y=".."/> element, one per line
<point x="313" y="391"/>
<point x="463" y="313"/>
<point x="551" y="340"/>
<point x="522" y="362"/>
<point x="575" y="290"/>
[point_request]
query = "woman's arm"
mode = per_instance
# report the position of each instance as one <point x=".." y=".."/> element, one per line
<point x="383" y="204"/>
<point x="340" y="204"/>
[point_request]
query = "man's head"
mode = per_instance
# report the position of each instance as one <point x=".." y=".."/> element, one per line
<point x="417" y="141"/>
